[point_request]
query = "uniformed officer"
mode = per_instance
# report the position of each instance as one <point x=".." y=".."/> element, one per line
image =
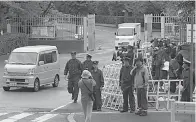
<point x="127" y="86"/>
<point x="74" y="67"/>
<point x="97" y="75"/>
<point x="130" y="54"/>
<point x="186" y="81"/>
<point x="88" y="64"/>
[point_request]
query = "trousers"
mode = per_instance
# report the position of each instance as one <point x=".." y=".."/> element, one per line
<point x="142" y="99"/>
<point x="98" y="102"/>
<point x="87" y="106"/>
<point x="128" y="97"/>
<point x="73" y="87"/>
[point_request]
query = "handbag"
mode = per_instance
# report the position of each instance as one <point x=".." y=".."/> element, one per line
<point x="91" y="95"/>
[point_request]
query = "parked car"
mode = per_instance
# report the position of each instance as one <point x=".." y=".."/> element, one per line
<point x="32" y="67"/>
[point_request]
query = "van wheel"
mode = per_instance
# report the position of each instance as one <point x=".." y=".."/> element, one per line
<point x="6" y="88"/>
<point x="36" y="85"/>
<point x="56" y="81"/>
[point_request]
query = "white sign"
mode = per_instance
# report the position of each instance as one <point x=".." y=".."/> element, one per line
<point x="188" y="27"/>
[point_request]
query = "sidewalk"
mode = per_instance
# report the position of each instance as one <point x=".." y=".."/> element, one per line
<point x="126" y="117"/>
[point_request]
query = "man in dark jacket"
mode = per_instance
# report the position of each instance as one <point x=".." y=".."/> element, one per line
<point x="130" y="54"/>
<point x="173" y="66"/>
<point x="186" y="81"/>
<point x="88" y="64"/>
<point x="127" y="86"/>
<point x="74" y="67"/>
<point x="97" y="75"/>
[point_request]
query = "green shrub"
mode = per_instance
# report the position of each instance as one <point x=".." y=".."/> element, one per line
<point x="10" y="41"/>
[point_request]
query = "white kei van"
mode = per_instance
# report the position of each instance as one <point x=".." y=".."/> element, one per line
<point x="32" y="67"/>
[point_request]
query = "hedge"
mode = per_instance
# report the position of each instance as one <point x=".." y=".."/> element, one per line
<point x="10" y="41"/>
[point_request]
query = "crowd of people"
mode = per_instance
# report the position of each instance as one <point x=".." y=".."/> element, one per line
<point x="167" y="63"/>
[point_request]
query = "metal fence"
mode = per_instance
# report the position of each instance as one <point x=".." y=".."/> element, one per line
<point x="63" y="27"/>
<point x="118" y="19"/>
<point x="174" y="28"/>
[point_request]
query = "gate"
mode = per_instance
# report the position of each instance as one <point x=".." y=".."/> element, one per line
<point x="91" y="32"/>
<point x="171" y="27"/>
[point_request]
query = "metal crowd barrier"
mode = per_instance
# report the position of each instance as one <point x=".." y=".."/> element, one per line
<point x="159" y="96"/>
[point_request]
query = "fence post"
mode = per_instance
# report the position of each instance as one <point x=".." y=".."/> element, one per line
<point x="148" y="27"/>
<point x="162" y="26"/>
<point x="85" y="33"/>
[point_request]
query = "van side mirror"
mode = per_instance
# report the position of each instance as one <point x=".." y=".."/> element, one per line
<point x="41" y="63"/>
<point x="115" y="33"/>
<point x="6" y="61"/>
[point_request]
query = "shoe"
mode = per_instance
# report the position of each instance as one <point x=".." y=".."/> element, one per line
<point x="122" y="111"/>
<point x="99" y="109"/>
<point x="132" y="111"/>
<point x="143" y="113"/>
<point x="138" y="112"/>
<point x="72" y="98"/>
<point x="75" y="101"/>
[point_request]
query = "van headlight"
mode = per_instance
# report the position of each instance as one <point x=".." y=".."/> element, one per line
<point x="5" y="71"/>
<point x="31" y="71"/>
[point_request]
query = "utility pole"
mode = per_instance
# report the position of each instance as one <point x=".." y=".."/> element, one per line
<point x="191" y="57"/>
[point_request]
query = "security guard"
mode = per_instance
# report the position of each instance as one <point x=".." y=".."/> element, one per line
<point x="127" y="86"/>
<point x="186" y="81"/>
<point x="74" y="67"/>
<point x="88" y="64"/>
<point x="97" y="75"/>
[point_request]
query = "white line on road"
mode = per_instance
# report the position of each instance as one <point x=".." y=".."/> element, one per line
<point x="70" y="117"/>
<point x="44" y="117"/>
<point x="60" y="107"/>
<point x="1" y="114"/>
<point x="16" y="117"/>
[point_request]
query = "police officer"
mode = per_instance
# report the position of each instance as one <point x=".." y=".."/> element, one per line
<point x="88" y="64"/>
<point x="127" y="86"/>
<point x="186" y="81"/>
<point x="74" y="67"/>
<point x="97" y="75"/>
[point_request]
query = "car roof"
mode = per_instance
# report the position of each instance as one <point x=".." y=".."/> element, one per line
<point x="37" y="48"/>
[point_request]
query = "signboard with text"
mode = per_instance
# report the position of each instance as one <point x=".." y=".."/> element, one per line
<point x="188" y="26"/>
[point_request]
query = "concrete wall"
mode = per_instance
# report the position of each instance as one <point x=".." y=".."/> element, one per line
<point x="64" y="46"/>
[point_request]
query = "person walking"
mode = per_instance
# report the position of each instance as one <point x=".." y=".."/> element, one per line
<point x="97" y="75"/>
<point x="86" y="85"/>
<point x="74" y="68"/>
<point x="186" y="81"/>
<point x="127" y="86"/>
<point x="88" y="63"/>
<point x="141" y="76"/>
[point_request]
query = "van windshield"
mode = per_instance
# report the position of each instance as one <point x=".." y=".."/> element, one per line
<point x="125" y="31"/>
<point x="23" y="58"/>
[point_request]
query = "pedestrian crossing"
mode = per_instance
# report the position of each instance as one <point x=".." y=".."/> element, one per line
<point x="32" y="117"/>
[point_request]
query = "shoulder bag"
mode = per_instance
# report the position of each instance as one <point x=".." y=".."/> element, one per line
<point x="91" y="95"/>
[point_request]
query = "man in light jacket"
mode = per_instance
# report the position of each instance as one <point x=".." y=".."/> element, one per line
<point x="141" y="76"/>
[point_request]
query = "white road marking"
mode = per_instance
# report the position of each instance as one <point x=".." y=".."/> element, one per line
<point x="16" y="117"/>
<point x="44" y="117"/>
<point x="60" y="107"/>
<point x="1" y="114"/>
<point x="70" y="117"/>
